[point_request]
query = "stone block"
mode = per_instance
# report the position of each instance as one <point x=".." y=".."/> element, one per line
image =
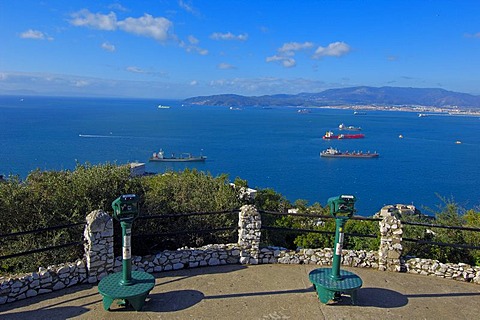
<point x="59" y="285"/>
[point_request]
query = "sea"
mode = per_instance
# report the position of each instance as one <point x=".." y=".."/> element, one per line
<point x="423" y="161"/>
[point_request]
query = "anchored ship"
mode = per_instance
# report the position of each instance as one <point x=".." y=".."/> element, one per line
<point x="334" y="153"/>
<point x="342" y="126"/>
<point x="184" y="157"/>
<point x="330" y="135"/>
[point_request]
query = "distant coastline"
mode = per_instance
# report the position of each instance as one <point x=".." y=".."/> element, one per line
<point x="421" y="100"/>
<point x="424" y="110"/>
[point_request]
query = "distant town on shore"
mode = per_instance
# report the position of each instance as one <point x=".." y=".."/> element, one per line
<point x="358" y="98"/>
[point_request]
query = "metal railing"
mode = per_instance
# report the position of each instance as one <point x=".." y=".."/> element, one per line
<point x="264" y="227"/>
<point x="40" y="230"/>
<point x="315" y="217"/>
<point x="418" y="241"/>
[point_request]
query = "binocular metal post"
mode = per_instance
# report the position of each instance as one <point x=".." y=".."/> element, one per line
<point x="130" y="287"/>
<point x="330" y="283"/>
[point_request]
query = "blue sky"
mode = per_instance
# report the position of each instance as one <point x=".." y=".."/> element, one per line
<point x="183" y="48"/>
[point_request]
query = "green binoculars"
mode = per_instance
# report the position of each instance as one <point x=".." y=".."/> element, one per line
<point x="342" y="206"/>
<point x="125" y="208"/>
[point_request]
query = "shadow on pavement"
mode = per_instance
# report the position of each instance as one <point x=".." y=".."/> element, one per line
<point x="443" y="295"/>
<point x="52" y="295"/>
<point x="57" y="313"/>
<point x="183" y="299"/>
<point x="381" y="298"/>
<point x="262" y="293"/>
<point x="173" y="300"/>
<point x="165" y="302"/>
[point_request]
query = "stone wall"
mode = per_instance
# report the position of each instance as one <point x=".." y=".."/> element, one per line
<point x="249" y="225"/>
<point x="98" y="235"/>
<point x="45" y="280"/>
<point x="99" y="259"/>
<point x="209" y="255"/>
<point x="391" y="248"/>
<point x="454" y="271"/>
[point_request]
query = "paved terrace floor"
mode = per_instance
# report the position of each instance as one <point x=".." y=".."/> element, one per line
<point x="263" y="292"/>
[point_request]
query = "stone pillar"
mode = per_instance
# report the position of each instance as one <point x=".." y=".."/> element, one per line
<point x="98" y="236"/>
<point x="390" y="251"/>
<point x="249" y="223"/>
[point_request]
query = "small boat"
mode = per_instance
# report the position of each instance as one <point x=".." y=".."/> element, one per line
<point x="329" y="135"/>
<point x="334" y="153"/>
<point x="160" y="106"/>
<point x="184" y="157"/>
<point x="303" y="111"/>
<point x="359" y="113"/>
<point x="458" y="142"/>
<point x="400" y="136"/>
<point x="341" y="126"/>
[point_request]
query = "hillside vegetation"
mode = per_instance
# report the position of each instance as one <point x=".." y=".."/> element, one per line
<point x="52" y="198"/>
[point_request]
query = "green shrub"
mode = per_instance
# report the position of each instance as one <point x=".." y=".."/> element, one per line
<point x="52" y="198"/>
<point x="190" y="191"/>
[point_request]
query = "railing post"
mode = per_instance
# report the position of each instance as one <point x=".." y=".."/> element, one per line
<point x="391" y="247"/>
<point x="98" y="247"/>
<point x="249" y="223"/>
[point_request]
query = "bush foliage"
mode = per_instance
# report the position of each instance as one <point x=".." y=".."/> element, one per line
<point x="53" y="198"/>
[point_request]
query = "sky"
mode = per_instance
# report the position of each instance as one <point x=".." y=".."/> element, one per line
<point x="183" y="48"/>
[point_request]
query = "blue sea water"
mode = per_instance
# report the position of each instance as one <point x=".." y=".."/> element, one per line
<point x="274" y="148"/>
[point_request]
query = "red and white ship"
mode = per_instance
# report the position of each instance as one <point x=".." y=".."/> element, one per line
<point x="329" y="135"/>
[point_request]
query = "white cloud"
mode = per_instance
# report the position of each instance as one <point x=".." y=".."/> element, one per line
<point x="472" y="35"/>
<point x="267" y="85"/>
<point x="225" y="66"/>
<point x="193" y="40"/>
<point x="35" y="34"/>
<point x="81" y="83"/>
<point x="192" y="46"/>
<point x="118" y="7"/>
<point x="287" y="52"/>
<point x="295" y="46"/>
<point x="108" y="47"/>
<point x="138" y="70"/>
<point x="60" y="84"/>
<point x="85" y="18"/>
<point x="158" y="28"/>
<point x="228" y="36"/>
<point x="335" y="49"/>
<point x="286" y="61"/>
<point x="187" y="7"/>
<point x="148" y="26"/>
<point x="135" y="69"/>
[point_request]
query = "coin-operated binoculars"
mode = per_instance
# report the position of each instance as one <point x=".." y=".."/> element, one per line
<point x="341" y="208"/>
<point x="125" y="210"/>
<point x="131" y="287"/>
<point x="331" y="283"/>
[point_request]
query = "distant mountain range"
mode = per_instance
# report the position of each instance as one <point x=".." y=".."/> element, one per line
<point x="348" y="96"/>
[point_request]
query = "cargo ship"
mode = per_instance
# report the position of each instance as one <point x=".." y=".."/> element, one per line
<point x="184" y="157"/>
<point x="334" y="153"/>
<point x="330" y="135"/>
<point x="341" y="126"/>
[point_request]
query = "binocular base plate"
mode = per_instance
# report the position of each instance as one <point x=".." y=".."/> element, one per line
<point x="111" y="288"/>
<point x="328" y="288"/>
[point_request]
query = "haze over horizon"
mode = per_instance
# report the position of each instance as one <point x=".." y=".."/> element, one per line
<point x="179" y="49"/>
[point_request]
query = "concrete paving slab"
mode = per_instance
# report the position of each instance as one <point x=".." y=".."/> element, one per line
<point x="270" y="291"/>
